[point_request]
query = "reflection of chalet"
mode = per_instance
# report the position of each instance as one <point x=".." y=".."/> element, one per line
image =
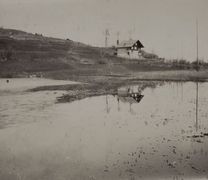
<point x="130" y="97"/>
<point x="129" y="49"/>
<point x="131" y="100"/>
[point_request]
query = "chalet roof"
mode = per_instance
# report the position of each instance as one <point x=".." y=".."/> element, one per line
<point x="129" y="99"/>
<point x="129" y="43"/>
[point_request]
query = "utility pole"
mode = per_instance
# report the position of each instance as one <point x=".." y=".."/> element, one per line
<point x="107" y="34"/>
<point x="130" y="34"/>
<point x="197" y="68"/>
<point x="197" y="45"/>
<point x="117" y="34"/>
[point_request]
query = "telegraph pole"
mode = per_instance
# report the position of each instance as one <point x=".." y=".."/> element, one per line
<point x="197" y="68"/>
<point x="118" y="34"/>
<point x="197" y="46"/>
<point x="130" y="34"/>
<point x="107" y="34"/>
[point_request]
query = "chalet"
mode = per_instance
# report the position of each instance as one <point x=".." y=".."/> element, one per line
<point x="130" y="49"/>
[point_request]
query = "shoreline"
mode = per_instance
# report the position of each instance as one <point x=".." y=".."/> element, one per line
<point x="78" y="87"/>
<point x="106" y="85"/>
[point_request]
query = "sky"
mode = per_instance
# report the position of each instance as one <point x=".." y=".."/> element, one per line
<point x="165" y="27"/>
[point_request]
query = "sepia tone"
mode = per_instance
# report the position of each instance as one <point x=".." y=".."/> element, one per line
<point x="103" y="89"/>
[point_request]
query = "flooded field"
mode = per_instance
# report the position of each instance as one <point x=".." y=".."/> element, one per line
<point x="105" y="137"/>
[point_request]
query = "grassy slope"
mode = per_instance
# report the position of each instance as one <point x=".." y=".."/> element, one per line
<point x="66" y="59"/>
<point x="38" y="53"/>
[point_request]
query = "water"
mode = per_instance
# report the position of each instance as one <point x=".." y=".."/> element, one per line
<point x="103" y="138"/>
<point x="14" y="85"/>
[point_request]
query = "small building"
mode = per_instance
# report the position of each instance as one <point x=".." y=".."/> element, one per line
<point x="130" y="49"/>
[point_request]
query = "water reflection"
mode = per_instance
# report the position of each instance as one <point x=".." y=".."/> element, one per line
<point x="126" y="95"/>
<point x="197" y="105"/>
<point x="133" y="94"/>
<point x="198" y="127"/>
<point x="129" y="95"/>
<point x="106" y="138"/>
<point x="107" y="106"/>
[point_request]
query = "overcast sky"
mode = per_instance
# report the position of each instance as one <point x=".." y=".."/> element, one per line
<point x="166" y="27"/>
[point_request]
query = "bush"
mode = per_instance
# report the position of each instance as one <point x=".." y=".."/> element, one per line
<point x="8" y="75"/>
<point x="101" y="62"/>
<point x="201" y="62"/>
<point x="180" y="62"/>
<point x="6" y="55"/>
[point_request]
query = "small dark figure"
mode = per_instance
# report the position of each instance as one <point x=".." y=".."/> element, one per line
<point x="7" y="80"/>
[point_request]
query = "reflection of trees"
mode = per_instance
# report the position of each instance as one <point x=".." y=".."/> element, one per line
<point x="142" y="85"/>
<point x="151" y="84"/>
<point x="118" y="103"/>
<point x="107" y="104"/>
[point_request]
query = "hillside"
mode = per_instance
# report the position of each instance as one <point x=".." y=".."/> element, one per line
<point x="25" y="54"/>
